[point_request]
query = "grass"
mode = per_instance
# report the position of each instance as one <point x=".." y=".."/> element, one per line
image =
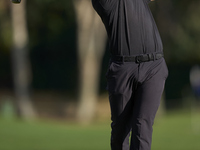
<point x="171" y="132"/>
<point x="176" y="132"/>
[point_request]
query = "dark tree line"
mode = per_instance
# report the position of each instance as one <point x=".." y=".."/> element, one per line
<point x="62" y="39"/>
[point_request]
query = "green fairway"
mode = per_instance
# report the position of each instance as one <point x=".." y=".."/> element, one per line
<point x="176" y="132"/>
<point x="171" y="132"/>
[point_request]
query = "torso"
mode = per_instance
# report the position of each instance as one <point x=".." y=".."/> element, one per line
<point x="130" y="26"/>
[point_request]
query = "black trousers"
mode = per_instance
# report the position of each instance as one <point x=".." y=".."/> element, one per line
<point x="134" y="93"/>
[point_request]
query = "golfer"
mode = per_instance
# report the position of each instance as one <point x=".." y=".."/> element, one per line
<point x="136" y="73"/>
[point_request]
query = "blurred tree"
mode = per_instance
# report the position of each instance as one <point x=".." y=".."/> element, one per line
<point x="5" y="44"/>
<point x="21" y="66"/>
<point x="53" y="45"/>
<point x="178" y="22"/>
<point x="91" y="45"/>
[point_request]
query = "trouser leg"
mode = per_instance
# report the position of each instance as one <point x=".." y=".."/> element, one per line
<point x="138" y="116"/>
<point x="119" y="79"/>
<point x="121" y="118"/>
<point x="147" y="100"/>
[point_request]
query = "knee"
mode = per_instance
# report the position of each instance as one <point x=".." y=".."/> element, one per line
<point x="143" y="127"/>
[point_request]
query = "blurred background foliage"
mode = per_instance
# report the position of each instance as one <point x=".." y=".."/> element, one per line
<point x="52" y="30"/>
<point x="52" y="46"/>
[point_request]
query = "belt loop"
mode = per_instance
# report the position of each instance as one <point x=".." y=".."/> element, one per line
<point x="154" y="56"/>
<point x="149" y="58"/>
<point x="123" y="59"/>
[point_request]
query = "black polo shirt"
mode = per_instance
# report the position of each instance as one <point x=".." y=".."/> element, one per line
<point x="130" y="26"/>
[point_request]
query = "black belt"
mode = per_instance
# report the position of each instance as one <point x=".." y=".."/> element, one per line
<point x="139" y="58"/>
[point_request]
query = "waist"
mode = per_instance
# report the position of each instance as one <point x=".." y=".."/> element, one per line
<point x="138" y="58"/>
